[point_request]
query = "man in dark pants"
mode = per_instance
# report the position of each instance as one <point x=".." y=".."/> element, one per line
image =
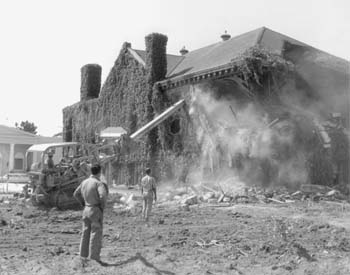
<point x="94" y="195"/>
<point x="149" y="193"/>
<point x="50" y="164"/>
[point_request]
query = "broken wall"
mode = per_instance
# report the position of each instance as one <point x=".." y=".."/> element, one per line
<point x="290" y="153"/>
<point x="177" y="135"/>
<point x="328" y="76"/>
<point x="173" y="150"/>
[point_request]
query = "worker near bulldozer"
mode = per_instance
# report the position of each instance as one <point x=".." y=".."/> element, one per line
<point x="47" y="177"/>
<point x="92" y="194"/>
<point x="149" y="193"/>
<point x="50" y="164"/>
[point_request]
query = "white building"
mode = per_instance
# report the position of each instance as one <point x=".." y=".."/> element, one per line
<point x="13" y="146"/>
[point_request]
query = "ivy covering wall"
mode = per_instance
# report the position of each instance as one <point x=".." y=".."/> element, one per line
<point x="125" y="100"/>
<point x="130" y="99"/>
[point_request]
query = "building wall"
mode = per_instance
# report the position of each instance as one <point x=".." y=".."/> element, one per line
<point x="125" y="100"/>
<point x="310" y="98"/>
<point x="4" y="162"/>
<point x="116" y="106"/>
<point x="128" y="99"/>
<point x="328" y="77"/>
<point x="333" y="88"/>
<point x="20" y="150"/>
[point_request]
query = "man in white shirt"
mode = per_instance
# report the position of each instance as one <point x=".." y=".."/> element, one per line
<point x="149" y="193"/>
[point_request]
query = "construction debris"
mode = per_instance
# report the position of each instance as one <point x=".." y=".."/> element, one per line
<point x="205" y="244"/>
<point x="207" y="196"/>
<point x="191" y="200"/>
<point x="215" y="194"/>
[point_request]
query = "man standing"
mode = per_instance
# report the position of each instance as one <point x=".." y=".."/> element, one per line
<point x="94" y="195"/>
<point x="48" y="172"/>
<point x="149" y="192"/>
<point x="49" y="162"/>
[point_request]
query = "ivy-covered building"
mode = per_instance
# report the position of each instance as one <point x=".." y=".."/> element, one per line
<point x="261" y="66"/>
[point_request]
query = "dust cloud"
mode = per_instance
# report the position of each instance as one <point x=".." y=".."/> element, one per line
<point x="243" y="144"/>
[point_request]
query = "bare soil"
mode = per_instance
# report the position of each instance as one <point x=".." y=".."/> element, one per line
<point x="293" y="238"/>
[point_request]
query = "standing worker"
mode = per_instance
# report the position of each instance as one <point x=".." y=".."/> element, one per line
<point x="50" y="164"/>
<point x="94" y="195"/>
<point x="47" y="176"/>
<point x="149" y="193"/>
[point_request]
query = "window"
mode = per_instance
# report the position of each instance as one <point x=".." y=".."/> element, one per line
<point x="175" y="126"/>
<point x="19" y="161"/>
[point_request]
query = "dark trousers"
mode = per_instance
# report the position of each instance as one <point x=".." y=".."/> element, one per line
<point x="147" y="205"/>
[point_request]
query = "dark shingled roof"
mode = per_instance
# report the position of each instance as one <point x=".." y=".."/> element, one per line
<point x="172" y="60"/>
<point x="215" y="55"/>
<point x="222" y="53"/>
<point x="275" y="41"/>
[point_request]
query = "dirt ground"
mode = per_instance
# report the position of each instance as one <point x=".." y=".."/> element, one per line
<point x="294" y="238"/>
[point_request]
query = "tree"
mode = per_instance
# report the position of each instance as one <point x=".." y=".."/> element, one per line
<point x="27" y="126"/>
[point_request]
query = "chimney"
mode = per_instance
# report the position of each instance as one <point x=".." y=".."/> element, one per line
<point x="90" y="81"/>
<point x="225" y="36"/>
<point x="156" y="59"/>
<point x="183" y="51"/>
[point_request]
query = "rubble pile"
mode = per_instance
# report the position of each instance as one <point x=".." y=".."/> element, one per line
<point x="211" y="194"/>
<point x="218" y="196"/>
<point x="126" y="203"/>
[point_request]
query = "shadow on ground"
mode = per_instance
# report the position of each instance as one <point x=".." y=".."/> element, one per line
<point x="138" y="256"/>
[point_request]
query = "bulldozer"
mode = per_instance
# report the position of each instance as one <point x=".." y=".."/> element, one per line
<point x="57" y="169"/>
<point x="53" y="185"/>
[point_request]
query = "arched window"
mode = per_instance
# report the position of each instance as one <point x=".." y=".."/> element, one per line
<point x="175" y="126"/>
<point x="19" y="161"/>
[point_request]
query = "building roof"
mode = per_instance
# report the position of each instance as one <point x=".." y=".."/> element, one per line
<point x="218" y="56"/>
<point x="172" y="60"/>
<point x="275" y="41"/>
<point x="221" y="53"/>
<point x="215" y="55"/>
<point x="13" y="135"/>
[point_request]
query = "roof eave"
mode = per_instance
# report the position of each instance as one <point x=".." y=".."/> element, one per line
<point x="193" y="78"/>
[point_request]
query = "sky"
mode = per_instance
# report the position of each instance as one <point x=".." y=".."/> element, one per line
<point x="44" y="43"/>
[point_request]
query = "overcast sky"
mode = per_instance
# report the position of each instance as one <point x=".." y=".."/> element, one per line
<point x="44" y="43"/>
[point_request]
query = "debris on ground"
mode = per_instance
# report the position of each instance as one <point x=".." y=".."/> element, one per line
<point x="190" y="200"/>
<point x="283" y="231"/>
<point x="218" y="194"/>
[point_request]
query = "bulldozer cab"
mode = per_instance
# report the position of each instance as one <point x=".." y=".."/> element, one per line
<point x="37" y="155"/>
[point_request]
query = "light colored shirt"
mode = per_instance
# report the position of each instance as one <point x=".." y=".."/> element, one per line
<point x="148" y="184"/>
<point x="93" y="192"/>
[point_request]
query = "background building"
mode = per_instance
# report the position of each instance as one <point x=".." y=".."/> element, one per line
<point x="13" y="146"/>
